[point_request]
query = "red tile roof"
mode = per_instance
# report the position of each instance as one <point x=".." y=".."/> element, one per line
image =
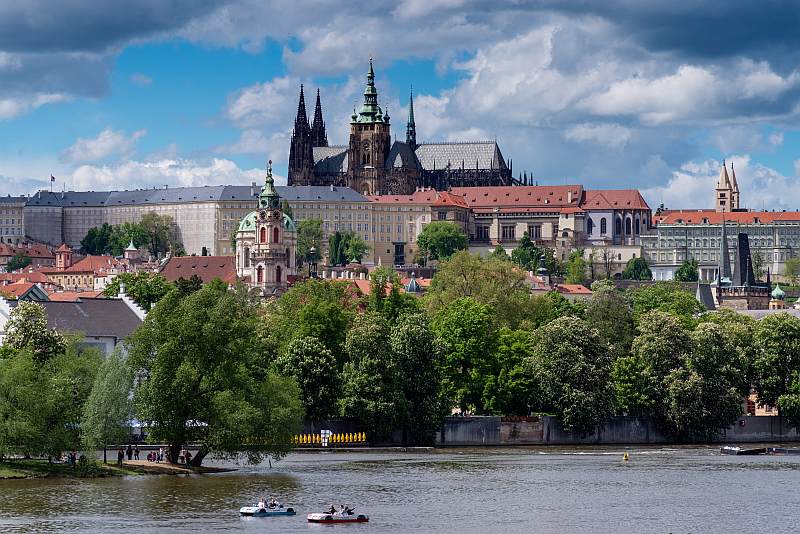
<point x="714" y="217"/>
<point x="521" y="196"/>
<point x="574" y="289"/>
<point x="33" y="251"/>
<point x="206" y="267"/>
<point x="73" y="296"/>
<point x="17" y="289"/>
<point x="26" y="276"/>
<point x="93" y="264"/>
<point x="429" y="197"/>
<point x="614" y="199"/>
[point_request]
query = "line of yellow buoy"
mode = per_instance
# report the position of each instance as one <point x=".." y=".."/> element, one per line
<point x="316" y="439"/>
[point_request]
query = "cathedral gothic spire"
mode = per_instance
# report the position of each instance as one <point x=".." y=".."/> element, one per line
<point x="318" y="135"/>
<point x="301" y="153"/>
<point x="411" y="127"/>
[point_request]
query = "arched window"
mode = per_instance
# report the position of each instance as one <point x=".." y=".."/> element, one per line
<point x="618" y="226"/>
<point x="637" y="226"/>
<point x="627" y="226"/>
<point x="246" y="256"/>
<point x="260" y="275"/>
<point x="589" y="227"/>
<point x="278" y="274"/>
<point x="603" y="228"/>
<point x="275" y="235"/>
<point x="263" y="235"/>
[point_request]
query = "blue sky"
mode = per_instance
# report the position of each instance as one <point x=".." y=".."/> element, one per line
<point x="616" y="94"/>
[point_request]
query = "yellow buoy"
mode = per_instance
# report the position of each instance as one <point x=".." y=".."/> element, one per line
<point x="625" y="457"/>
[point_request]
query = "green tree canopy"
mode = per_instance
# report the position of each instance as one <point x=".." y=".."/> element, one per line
<point x="27" y="329"/>
<point x="576" y="268"/>
<point x="512" y="389"/>
<point x="371" y="391"/>
<point x="385" y="296"/>
<point x="18" y="261"/>
<point x="637" y="269"/>
<point x="466" y="330"/>
<point x="41" y="399"/>
<point x="441" y="239"/>
<point x="667" y="297"/>
<point x="344" y="247"/>
<point x="777" y="346"/>
<point x="499" y="253"/>
<point x="687" y="272"/>
<point x="610" y="312"/>
<point x="572" y="367"/>
<point x="791" y="270"/>
<point x="144" y="287"/>
<point x="497" y="283"/>
<point x="107" y="413"/>
<point x="310" y="236"/>
<point x="162" y="234"/>
<point x="417" y="356"/>
<point x="314" y="368"/>
<point x="202" y="377"/>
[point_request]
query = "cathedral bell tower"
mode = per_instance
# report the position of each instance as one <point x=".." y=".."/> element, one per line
<point x="370" y="141"/>
<point x="301" y="149"/>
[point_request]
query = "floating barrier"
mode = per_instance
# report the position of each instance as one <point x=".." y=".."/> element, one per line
<point x="343" y="438"/>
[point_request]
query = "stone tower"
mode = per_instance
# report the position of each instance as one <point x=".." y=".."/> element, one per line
<point x="318" y="135"/>
<point x="370" y="141"/>
<point x="727" y="190"/>
<point x="272" y="259"/>
<point x="301" y="153"/>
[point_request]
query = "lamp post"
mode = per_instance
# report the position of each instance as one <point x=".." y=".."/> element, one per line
<point x="312" y="255"/>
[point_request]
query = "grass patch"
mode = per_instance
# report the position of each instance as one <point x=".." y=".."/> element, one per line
<point x="41" y="468"/>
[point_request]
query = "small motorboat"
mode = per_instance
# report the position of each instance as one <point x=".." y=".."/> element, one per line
<point x="338" y="517"/>
<point x="738" y="451"/>
<point x="265" y="511"/>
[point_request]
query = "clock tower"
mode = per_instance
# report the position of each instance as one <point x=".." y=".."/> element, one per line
<point x="370" y="142"/>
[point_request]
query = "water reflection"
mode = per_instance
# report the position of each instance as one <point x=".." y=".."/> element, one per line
<point x="519" y="490"/>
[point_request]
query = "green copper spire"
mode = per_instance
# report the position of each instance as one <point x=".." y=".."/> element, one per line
<point x="269" y="197"/>
<point x="370" y="111"/>
<point x="411" y="127"/>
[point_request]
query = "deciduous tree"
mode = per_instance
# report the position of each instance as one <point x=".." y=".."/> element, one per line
<point x="441" y="239"/>
<point x="314" y="368"/>
<point x="687" y="272"/>
<point x="107" y="411"/>
<point x="202" y="376"/>
<point x="637" y="269"/>
<point x="144" y="287"/>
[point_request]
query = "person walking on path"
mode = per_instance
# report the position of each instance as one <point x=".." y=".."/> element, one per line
<point x="120" y="456"/>
<point x="129" y="452"/>
<point x="136" y="452"/>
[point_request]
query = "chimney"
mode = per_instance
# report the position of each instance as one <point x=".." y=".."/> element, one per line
<point x="333" y="188"/>
<point x="569" y="197"/>
<point x="252" y="189"/>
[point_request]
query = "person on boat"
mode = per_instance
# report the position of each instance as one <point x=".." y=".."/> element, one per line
<point x="273" y="504"/>
<point x="261" y="503"/>
<point x="346" y="510"/>
<point x="332" y="510"/>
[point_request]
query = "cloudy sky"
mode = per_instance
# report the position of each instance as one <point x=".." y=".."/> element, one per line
<point x="612" y="94"/>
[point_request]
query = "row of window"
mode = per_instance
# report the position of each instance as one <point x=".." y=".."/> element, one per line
<point x="632" y="226"/>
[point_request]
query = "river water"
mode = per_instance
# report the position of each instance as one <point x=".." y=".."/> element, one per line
<point x="561" y="491"/>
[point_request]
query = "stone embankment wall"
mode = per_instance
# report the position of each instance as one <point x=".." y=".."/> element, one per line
<point x="547" y="430"/>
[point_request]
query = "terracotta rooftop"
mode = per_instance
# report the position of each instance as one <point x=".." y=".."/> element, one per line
<point x="714" y="217"/>
<point x="526" y="196"/>
<point x="614" y="199"/>
<point x="427" y="197"/>
<point x="206" y="267"/>
<point x="73" y="296"/>
<point x="17" y="289"/>
<point x="574" y="289"/>
<point x="26" y="276"/>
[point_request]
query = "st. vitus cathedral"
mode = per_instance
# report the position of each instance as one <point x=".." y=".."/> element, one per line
<point x="374" y="165"/>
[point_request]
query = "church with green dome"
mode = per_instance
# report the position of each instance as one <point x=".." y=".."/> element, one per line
<point x="266" y="242"/>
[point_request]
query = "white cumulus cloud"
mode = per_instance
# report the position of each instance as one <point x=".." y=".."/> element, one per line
<point x="107" y="143"/>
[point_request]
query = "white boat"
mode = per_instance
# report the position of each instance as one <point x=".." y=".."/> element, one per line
<point x="325" y="517"/>
<point x="265" y="511"/>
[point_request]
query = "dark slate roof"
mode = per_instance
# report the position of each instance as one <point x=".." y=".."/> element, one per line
<point x="190" y="194"/>
<point x="69" y="198"/>
<point x="401" y="155"/>
<point x="319" y="192"/>
<point x="485" y="153"/>
<point x="330" y="159"/>
<point x="12" y="200"/>
<point x="93" y="317"/>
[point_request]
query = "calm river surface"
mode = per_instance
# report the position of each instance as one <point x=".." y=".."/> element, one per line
<point x="465" y="491"/>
